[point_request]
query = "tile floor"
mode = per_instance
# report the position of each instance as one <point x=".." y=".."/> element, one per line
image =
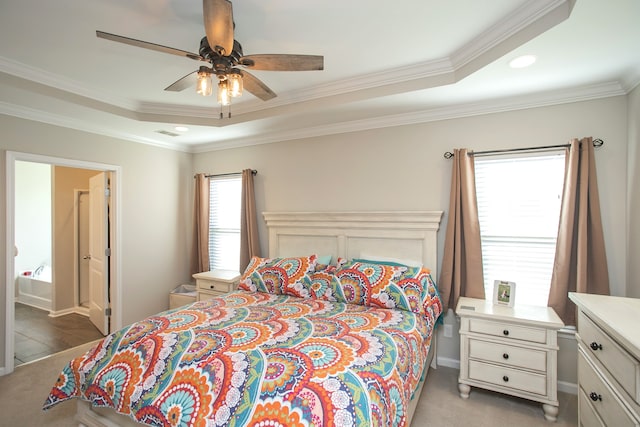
<point x="37" y="335"/>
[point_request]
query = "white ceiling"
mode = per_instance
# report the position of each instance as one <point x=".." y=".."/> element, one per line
<point x="386" y="64"/>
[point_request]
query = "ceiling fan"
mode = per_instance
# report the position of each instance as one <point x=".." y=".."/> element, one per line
<point x="226" y="59"/>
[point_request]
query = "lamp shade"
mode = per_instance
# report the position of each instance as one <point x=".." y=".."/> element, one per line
<point x="224" y="96"/>
<point x="204" y="86"/>
<point x="235" y="83"/>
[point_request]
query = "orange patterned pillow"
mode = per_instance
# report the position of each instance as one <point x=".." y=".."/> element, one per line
<point x="279" y="275"/>
<point x="379" y="285"/>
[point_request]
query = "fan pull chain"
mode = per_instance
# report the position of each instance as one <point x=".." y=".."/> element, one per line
<point x="222" y="112"/>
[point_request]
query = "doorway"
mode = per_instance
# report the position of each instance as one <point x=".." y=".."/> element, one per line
<point x="112" y="295"/>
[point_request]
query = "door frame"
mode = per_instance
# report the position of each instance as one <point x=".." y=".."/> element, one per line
<point x="77" y="193"/>
<point x="116" y="235"/>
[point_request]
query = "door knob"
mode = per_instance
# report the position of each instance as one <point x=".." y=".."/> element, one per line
<point x="86" y="257"/>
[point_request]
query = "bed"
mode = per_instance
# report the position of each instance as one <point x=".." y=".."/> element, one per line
<point x="336" y="327"/>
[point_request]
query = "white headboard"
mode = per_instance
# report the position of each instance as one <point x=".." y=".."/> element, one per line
<point x="401" y="235"/>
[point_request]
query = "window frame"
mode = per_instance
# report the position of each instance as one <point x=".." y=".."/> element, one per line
<point x="509" y="253"/>
<point x="220" y="226"/>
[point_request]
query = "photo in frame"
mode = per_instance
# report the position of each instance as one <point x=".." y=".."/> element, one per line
<point x="504" y="293"/>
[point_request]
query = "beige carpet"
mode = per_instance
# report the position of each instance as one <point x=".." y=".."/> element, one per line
<point x="23" y="392"/>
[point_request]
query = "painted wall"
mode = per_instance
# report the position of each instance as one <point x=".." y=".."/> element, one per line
<point x="403" y="168"/>
<point x="33" y="215"/>
<point x="65" y="181"/>
<point x="633" y="194"/>
<point x="155" y="206"/>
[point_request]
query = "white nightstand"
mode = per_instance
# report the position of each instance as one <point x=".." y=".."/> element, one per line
<point x="211" y="284"/>
<point x="512" y="350"/>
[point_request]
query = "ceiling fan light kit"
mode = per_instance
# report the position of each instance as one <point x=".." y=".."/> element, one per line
<point x="224" y="54"/>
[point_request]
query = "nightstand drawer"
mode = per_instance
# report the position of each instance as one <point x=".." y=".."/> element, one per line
<point x="508" y="355"/>
<point x="601" y="397"/>
<point x="203" y="296"/>
<point x="624" y="368"/>
<point x="508" y="377"/>
<point x="210" y="285"/>
<point x="509" y="331"/>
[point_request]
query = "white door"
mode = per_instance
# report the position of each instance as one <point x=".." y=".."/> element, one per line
<point x="98" y="260"/>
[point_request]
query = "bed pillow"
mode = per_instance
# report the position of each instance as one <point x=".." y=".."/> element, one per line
<point x="380" y="285"/>
<point x="322" y="281"/>
<point x="279" y="275"/>
<point x="366" y="257"/>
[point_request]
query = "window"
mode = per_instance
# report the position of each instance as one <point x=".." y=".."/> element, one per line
<point x="225" y="193"/>
<point x="519" y="209"/>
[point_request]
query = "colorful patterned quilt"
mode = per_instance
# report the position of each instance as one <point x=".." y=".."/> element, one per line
<point x="252" y="358"/>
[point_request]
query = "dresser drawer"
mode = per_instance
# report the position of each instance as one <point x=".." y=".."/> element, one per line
<point x="508" y="355"/>
<point x="586" y="413"/>
<point x="507" y="330"/>
<point x="623" y="368"/>
<point x="602" y="398"/>
<point x="212" y="285"/>
<point x="508" y="377"/>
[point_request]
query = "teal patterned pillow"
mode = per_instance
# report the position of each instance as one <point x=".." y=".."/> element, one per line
<point x="379" y="285"/>
<point x="279" y="275"/>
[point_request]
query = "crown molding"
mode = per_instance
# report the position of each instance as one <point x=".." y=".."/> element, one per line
<point x="66" y="122"/>
<point x="520" y="102"/>
<point x="27" y="72"/>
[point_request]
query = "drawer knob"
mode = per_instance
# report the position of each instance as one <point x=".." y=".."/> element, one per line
<point x="505" y="356"/>
<point x="505" y="379"/>
<point x="595" y="346"/>
<point x="212" y="287"/>
<point x="595" y="396"/>
<point x="505" y="332"/>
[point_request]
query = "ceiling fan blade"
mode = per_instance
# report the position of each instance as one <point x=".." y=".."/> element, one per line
<point x="275" y="62"/>
<point x="254" y="85"/>
<point x="218" y="25"/>
<point x="147" y="45"/>
<point x="181" y="84"/>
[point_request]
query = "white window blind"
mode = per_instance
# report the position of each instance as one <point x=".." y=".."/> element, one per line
<point x="224" y="222"/>
<point x="519" y="209"/>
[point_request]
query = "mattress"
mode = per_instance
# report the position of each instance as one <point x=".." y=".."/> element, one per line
<point x="255" y="358"/>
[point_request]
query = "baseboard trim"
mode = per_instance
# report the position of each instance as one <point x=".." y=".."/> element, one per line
<point x="448" y="362"/>
<point x="567" y="387"/>
<point x="64" y="312"/>
<point x="75" y="310"/>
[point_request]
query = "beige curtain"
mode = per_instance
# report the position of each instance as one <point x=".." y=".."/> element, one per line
<point x="200" y="250"/>
<point x="581" y="263"/>
<point x="461" y="272"/>
<point x="249" y="241"/>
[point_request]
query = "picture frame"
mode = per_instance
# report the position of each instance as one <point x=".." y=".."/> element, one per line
<point x="504" y="293"/>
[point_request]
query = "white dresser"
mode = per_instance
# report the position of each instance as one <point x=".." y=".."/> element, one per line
<point x="511" y="350"/>
<point x="211" y="284"/>
<point x="608" y="360"/>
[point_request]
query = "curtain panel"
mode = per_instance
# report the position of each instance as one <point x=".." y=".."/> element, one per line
<point x="580" y="263"/>
<point x="200" y="249"/>
<point x="249" y="240"/>
<point x="461" y="271"/>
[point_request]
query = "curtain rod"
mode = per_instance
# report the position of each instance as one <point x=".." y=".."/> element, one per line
<point x="596" y="143"/>
<point x="253" y="172"/>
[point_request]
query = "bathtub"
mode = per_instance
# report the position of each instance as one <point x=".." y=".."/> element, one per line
<point x="35" y="289"/>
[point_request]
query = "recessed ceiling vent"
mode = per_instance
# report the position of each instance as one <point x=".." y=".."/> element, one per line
<point x="167" y="133"/>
